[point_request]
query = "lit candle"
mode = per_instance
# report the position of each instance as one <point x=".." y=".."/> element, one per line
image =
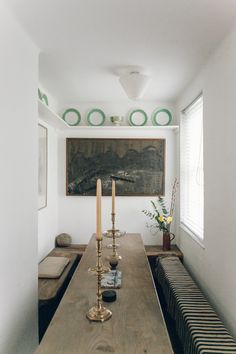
<point x="99" y="211"/>
<point x="113" y="196"/>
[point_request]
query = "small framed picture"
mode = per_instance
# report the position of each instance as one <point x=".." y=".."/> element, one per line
<point x="42" y="166"/>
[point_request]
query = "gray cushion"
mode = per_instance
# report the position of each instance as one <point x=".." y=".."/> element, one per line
<point x="52" y="267"/>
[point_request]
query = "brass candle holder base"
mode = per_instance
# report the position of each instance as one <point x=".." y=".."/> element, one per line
<point x="109" y="233"/>
<point x="94" y="270"/>
<point x="110" y="246"/>
<point x="99" y="314"/>
<point x="115" y="257"/>
<point x="118" y="233"/>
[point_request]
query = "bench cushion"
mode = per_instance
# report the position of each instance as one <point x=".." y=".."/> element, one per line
<point x="52" y="267"/>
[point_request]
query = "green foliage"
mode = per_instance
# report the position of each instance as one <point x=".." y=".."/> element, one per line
<point x="160" y="215"/>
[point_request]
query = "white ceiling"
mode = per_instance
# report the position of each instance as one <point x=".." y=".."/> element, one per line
<point x="82" y="42"/>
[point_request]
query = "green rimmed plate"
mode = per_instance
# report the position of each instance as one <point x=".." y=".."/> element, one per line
<point x="161" y="117"/>
<point x="96" y="117"/>
<point x="43" y="97"/>
<point x="137" y="117"/>
<point x="72" y="116"/>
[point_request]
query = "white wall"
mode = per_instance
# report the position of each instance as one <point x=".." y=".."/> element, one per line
<point x="77" y="214"/>
<point x="18" y="188"/>
<point x="47" y="217"/>
<point x="214" y="267"/>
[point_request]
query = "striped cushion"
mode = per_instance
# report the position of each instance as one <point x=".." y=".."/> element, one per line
<point x="198" y="326"/>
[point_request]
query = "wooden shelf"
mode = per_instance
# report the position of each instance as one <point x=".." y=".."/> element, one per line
<point x="50" y="117"/>
<point x="124" y="127"/>
<point x="53" y="119"/>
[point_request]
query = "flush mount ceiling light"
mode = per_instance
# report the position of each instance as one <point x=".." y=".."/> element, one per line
<point x="134" y="83"/>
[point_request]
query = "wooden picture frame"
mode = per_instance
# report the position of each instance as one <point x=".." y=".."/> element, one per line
<point x="137" y="166"/>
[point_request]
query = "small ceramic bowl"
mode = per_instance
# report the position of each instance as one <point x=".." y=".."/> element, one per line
<point x="116" y="120"/>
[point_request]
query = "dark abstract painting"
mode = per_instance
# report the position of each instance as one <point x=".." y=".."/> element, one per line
<point x="137" y="166"/>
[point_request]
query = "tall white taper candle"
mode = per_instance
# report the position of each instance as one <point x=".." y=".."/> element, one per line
<point x="99" y="210"/>
<point x="113" y="210"/>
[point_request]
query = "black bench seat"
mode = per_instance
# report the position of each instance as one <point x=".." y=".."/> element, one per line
<point x="197" y="324"/>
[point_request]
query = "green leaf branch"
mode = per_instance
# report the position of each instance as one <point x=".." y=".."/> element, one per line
<point x="161" y="217"/>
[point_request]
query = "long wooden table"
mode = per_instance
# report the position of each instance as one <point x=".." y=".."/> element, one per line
<point x="137" y="324"/>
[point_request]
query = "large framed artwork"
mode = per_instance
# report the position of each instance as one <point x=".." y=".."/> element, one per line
<point x="42" y="166"/>
<point x="137" y="166"/>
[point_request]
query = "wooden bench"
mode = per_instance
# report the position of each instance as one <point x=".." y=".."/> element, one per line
<point x="198" y="327"/>
<point x="50" y="291"/>
<point x="157" y="251"/>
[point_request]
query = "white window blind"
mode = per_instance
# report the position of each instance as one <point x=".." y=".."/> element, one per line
<point x="191" y="168"/>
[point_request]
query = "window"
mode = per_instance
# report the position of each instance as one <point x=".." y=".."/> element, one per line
<point x="191" y="168"/>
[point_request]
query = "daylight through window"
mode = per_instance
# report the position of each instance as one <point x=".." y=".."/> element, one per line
<point x="191" y="168"/>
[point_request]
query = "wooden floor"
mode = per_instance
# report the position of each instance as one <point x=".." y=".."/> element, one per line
<point x="137" y="324"/>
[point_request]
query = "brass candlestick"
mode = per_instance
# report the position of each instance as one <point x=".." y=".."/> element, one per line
<point x="110" y="245"/>
<point x="115" y="255"/>
<point x="98" y="312"/>
<point x="99" y="266"/>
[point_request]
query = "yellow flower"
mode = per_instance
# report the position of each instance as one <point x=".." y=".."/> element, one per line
<point x="169" y="219"/>
<point x="161" y="218"/>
